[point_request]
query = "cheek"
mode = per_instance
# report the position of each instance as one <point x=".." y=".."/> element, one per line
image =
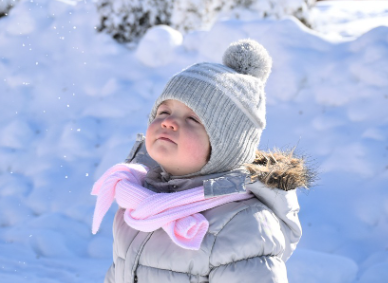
<point x="206" y="150"/>
<point x="198" y="146"/>
<point x="150" y="134"/>
<point x="151" y="129"/>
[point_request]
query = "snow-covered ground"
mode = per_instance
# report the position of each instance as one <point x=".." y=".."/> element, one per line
<point x="72" y="101"/>
<point x="349" y="19"/>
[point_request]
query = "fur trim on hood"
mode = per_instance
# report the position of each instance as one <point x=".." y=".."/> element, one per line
<point x="281" y="170"/>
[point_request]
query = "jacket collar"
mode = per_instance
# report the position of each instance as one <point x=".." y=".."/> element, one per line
<point x="218" y="184"/>
<point x="157" y="180"/>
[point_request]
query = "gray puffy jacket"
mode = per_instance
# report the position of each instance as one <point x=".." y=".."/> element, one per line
<point x="247" y="241"/>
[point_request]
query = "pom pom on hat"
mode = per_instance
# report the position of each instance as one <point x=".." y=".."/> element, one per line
<point x="248" y="57"/>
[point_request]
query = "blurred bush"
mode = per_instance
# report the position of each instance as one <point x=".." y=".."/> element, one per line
<point x="128" y="20"/>
<point x="5" y="6"/>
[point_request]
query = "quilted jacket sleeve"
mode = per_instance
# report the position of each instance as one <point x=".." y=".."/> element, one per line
<point x="284" y="204"/>
<point x="249" y="247"/>
<point x="263" y="269"/>
<point x="110" y="275"/>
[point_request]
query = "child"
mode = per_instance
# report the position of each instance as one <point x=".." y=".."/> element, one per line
<point x="198" y="202"/>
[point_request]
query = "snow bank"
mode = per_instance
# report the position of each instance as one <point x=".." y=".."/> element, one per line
<point x="72" y="101"/>
<point x="338" y="21"/>
<point x="165" y="38"/>
<point x="315" y="267"/>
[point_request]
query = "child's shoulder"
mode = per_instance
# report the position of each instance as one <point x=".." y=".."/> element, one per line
<point x="244" y="229"/>
<point x="264" y="226"/>
<point x="231" y="213"/>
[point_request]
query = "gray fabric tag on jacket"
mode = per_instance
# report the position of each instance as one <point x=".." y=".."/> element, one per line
<point x="139" y="140"/>
<point x="229" y="184"/>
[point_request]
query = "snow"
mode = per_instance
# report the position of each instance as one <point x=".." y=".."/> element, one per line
<point x="166" y="38"/>
<point x="73" y="99"/>
<point x="342" y="269"/>
<point x="349" y="22"/>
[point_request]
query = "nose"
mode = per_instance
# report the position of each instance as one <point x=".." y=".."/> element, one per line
<point x="170" y="123"/>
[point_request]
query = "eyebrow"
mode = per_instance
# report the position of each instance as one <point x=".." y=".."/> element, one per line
<point x="164" y="103"/>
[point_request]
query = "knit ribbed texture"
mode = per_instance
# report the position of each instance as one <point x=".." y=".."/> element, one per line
<point x="147" y="211"/>
<point x="231" y="105"/>
<point x="233" y="136"/>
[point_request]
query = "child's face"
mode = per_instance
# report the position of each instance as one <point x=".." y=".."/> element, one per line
<point x="177" y="140"/>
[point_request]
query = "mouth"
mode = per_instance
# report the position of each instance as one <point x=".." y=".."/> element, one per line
<point x="166" y="139"/>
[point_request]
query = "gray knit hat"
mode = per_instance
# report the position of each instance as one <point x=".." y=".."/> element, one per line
<point x="230" y="101"/>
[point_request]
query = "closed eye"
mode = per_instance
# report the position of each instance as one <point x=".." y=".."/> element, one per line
<point x="194" y="119"/>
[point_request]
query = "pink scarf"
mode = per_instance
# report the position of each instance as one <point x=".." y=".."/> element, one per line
<point x="147" y="211"/>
